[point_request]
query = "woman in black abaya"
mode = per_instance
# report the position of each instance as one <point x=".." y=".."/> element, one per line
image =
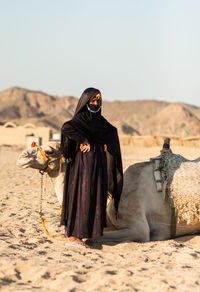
<point x="90" y="146"/>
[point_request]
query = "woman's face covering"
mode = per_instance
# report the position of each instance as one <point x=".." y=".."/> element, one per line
<point x="95" y="103"/>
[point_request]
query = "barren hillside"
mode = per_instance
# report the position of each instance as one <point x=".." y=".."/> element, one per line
<point x="138" y="117"/>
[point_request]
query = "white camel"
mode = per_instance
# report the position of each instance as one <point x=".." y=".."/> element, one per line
<point x="143" y="213"/>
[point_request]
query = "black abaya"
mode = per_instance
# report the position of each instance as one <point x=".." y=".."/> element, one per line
<point x="90" y="175"/>
<point x="86" y="192"/>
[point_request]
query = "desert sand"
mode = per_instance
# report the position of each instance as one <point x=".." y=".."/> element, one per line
<point x="31" y="261"/>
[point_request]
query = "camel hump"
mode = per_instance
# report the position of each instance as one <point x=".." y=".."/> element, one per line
<point x="182" y="188"/>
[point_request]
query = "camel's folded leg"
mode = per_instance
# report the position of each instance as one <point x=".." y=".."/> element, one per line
<point x="141" y="234"/>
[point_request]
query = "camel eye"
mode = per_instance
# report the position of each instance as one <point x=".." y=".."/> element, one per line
<point x="48" y="152"/>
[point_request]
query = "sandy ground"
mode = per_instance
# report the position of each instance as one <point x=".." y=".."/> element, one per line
<point x="31" y="261"/>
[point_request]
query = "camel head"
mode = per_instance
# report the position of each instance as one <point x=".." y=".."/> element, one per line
<point x="46" y="160"/>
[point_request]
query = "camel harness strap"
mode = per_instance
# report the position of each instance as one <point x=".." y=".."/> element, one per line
<point x="42" y="214"/>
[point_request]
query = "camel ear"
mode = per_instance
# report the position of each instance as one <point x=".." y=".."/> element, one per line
<point x="57" y="146"/>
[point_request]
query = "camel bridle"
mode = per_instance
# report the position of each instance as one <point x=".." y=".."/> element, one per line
<point x="44" y="157"/>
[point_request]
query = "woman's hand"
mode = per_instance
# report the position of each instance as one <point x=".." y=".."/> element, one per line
<point x="85" y="147"/>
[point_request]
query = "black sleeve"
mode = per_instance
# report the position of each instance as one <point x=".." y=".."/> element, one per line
<point x="70" y="132"/>
<point x="70" y="140"/>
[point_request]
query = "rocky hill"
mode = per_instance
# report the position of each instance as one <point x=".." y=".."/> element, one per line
<point x="138" y="117"/>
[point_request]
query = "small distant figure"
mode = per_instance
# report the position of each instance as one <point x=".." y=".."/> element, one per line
<point x="91" y="150"/>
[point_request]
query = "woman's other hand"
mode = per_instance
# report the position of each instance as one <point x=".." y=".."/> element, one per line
<point x="85" y="147"/>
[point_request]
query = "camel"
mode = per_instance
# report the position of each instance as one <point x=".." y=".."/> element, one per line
<point x="143" y="214"/>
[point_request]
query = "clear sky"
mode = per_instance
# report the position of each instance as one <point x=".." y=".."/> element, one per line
<point x="129" y="49"/>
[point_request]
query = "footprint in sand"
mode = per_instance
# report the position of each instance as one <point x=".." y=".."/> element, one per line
<point x="194" y="255"/>
<point x="47" y="275"/>
<point x="6" y="281"/>
<point x="42" y="252"/>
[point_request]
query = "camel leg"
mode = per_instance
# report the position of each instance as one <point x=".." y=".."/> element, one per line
<point x="159" y="236"/>
<point x="160" y="232"/>
<point x="140" y="232"/>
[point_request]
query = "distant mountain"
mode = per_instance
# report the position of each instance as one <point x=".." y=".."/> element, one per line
<point x="138" y="117"/>
<point x="21" y="106"/>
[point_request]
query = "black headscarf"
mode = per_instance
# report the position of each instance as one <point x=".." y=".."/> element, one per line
<point x="97" y="130"/>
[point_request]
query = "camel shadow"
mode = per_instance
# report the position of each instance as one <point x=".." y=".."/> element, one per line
<point x="99" y="243"/>
<point x="186" y="238"/>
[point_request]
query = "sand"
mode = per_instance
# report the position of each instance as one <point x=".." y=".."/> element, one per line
<point x="31" y="261"/>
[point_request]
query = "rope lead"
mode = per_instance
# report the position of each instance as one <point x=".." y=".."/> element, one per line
<point x="41" y="213"/>
<point x="47" y="232"/>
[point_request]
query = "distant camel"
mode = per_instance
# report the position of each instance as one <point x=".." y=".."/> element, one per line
<point x="143" y="213"/>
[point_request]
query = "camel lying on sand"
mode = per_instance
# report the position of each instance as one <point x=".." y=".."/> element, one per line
<point x="143" y="213"/>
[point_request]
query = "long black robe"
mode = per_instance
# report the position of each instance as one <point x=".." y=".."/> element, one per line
<point x="90" y="175"/>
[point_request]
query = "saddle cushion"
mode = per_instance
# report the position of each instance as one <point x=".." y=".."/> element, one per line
<point x="181" y="178"/>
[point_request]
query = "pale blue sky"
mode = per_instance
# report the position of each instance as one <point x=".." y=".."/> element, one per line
<point x="129" y="49"/>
